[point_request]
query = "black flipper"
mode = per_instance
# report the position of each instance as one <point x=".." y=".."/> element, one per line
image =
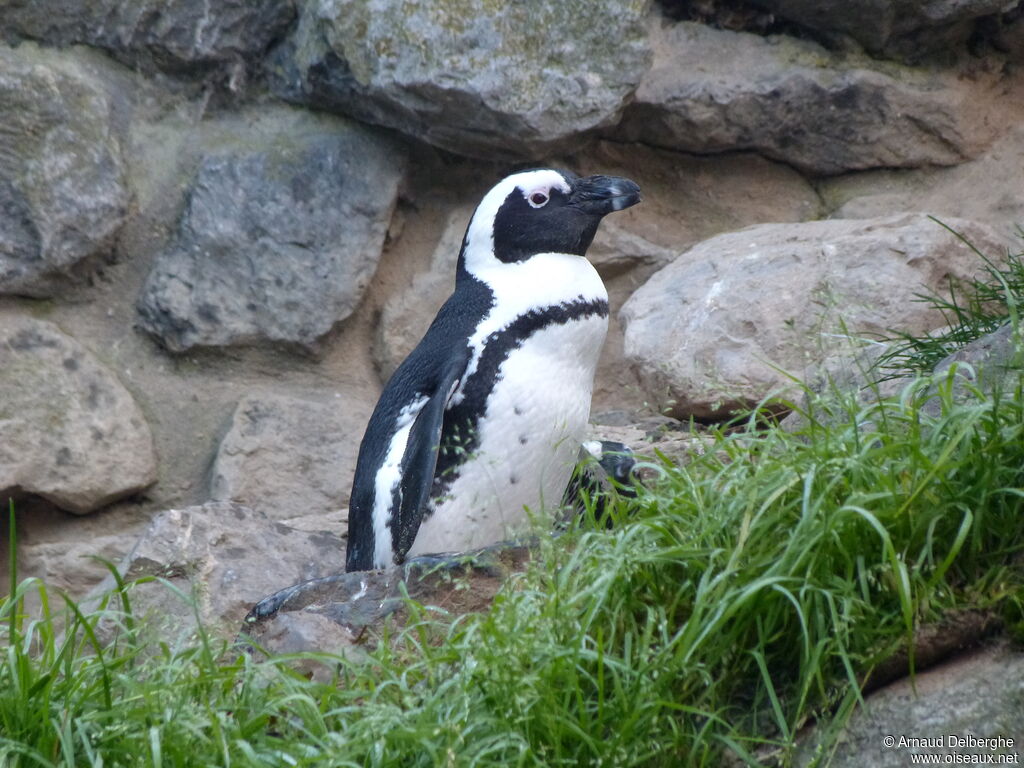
<point x="419" y="461"/>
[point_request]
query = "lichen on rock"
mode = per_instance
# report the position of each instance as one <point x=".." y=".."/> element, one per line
<point x="508" y="79"/>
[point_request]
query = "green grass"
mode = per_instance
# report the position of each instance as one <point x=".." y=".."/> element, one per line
<point x="738" y="598"/>
<point x="744" y="594"/>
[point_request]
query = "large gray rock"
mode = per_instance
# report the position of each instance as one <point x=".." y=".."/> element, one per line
<point x="904" y="26"/>
<point x="290" y="458"/>
<point x="225" y="557"/>
<point x="935" y="715"/>
<point x="173" y="34"/>
<point x="71" y="432"/>
<point x="62" y="188"/>
<point x="822" y="112"/>
<point x="516" y="80"/>
<point x="279" y="239"/>
<point x="717" y="328"/>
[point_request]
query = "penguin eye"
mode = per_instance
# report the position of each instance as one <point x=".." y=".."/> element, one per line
<point x="537" y="199"/>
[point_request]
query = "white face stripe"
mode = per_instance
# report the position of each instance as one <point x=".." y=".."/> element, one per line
<point x="387" y="479"/>
<point x="480" y="235"/>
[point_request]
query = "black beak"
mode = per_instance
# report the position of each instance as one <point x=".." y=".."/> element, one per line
<point x="601" y="195"/>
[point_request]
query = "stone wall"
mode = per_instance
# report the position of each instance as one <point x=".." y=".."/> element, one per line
<point x="222" y="226"/>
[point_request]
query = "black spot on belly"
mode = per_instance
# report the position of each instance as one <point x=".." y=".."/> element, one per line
<point x="517" y="411"/>
<point x="523" y="440"/>
<point x="513" y="479"/>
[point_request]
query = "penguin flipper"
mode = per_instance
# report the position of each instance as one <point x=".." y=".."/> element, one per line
<point x="420" y="459"/>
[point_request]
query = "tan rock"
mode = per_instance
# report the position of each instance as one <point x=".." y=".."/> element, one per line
<point x="63" y="193"/>
<point x="292" y="458"/>
<point x="729" y="321"/>
<point x="975" y="695"/>
<point x="514" y="82"/>
<point x="406" y="316"/>
<point x="61" y="548"/>
<point x="69" y="430"/>
<point x="820" y="111"/>
<point x="986" y="190"/>
<point x="223" y="556"/>
<point x="891" y="27"/>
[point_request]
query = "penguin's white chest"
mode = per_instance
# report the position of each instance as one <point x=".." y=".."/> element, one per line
<point x="528" y="439"/>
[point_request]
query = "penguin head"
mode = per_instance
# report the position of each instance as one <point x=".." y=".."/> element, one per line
<point x="616" y="459"/>
<point x="541" y="211"/>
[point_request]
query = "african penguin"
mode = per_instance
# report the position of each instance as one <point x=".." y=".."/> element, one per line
<point x="485" y="416"/>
